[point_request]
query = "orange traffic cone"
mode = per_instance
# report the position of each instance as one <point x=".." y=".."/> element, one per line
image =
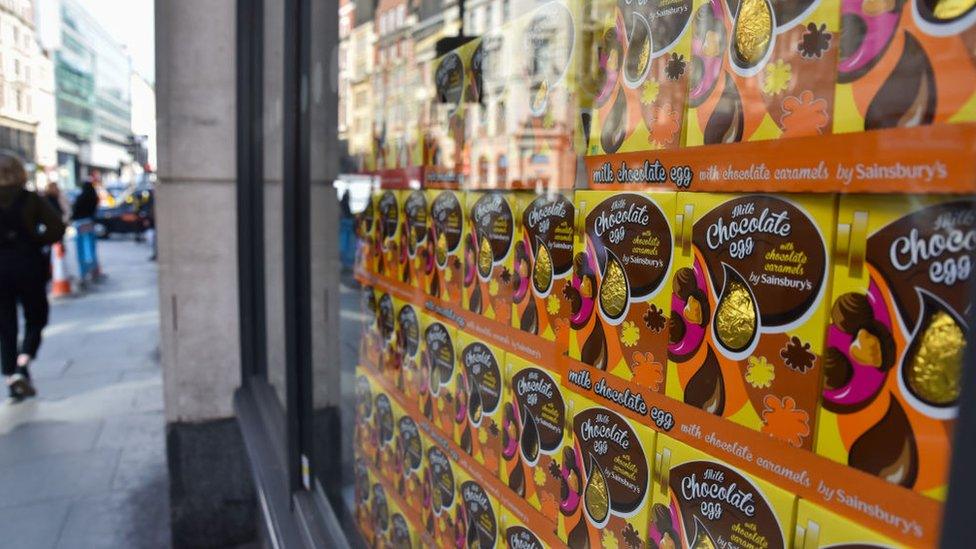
<point x="60" y="283"/>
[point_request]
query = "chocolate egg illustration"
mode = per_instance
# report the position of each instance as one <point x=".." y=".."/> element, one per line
<point x="706" y="388"/>
<point x="614" y="289"/>
<point x="485" y="257"/>
<point x="594" y="350"/>
<point x="637" y="62"/>
<point x="703" y="540"/>
<point x="908" y="96"/>
<point x="475" y="408"/>
<point x="440" y="253"/>
<point x="516" y="481"/>
<point x="726" y="124"/>
<point x="752" y="33"/>
<point x="529" y="440"/>
<point x="615" y="125"/>
<point x="932" y="366"/>
<point x="542" y="270"/>
<point x="736" y="315"/>
<point x="530" y="319"/>
<point x="596" y="493"/>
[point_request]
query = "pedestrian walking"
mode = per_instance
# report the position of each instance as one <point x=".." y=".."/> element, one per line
<point x="28" y="223"/>
<point x="83" y="220"/>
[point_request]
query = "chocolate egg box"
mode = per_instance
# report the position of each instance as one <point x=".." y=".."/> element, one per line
<point x="443" y="278"/>
<point x="410" y="455"/>
<point x="748" y="309"/>
<point x="908" y="63"/>
<point x="701" y="501"/>
<point x="762" y="69"/>
<point x="438" y="373"/>
<point x="386" y="313"/>
<point x="479" y="392"/>
<point x="439" y="504"/>
<point x="640" y="64"/>
<point x="488" y="257"/>
<point x="818" y="528"/>
<point x="618" y="299"/>
<point x="371" y="342"/>
<point x="542" y="263"/>
<point x="896" y="336"/>
<point x="477" y="512"/>
<point x="406" y="342"/>
<point x="387" y="238"/>
<point x="533" y="427"/>
<point x="606" y="477"/>
<point x="416" y="257"/>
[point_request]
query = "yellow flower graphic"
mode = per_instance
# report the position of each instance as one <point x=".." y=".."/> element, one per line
<point x="760" y="373"/>
<point x="631" y="334"/>
<point x="483" y="436"/>
<point x="552" y="305"/>
<point x="540" y="476"/>
<point x="493" y="287"/>
<point x="777" y="77"/>
<point x="609" y="539"/>
<point x="650" y="93"/>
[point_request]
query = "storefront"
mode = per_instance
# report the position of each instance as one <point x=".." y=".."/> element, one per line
<point x="691" y="274"/>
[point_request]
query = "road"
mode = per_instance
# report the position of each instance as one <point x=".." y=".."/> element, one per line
<point x="84" y="464"/>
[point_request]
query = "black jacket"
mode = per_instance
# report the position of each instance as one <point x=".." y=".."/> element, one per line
<point x="36" y="212"/>
<point x="86" y="204"/>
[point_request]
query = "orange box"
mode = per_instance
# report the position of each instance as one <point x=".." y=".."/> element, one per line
<point x="606" y="475"/>
<point x="488" y="254"/>
<point x="700" y="501"/>
<point x="545" y="230"/>
<point x="618" y="298"/>
<point x="409" y="378"/>
<point x="818" y="528"/>
<point x="909" y="64"/>
<point x="748" y="309"/>
<point x="447" y="228"/>
<point x="416" y="257"/>
<point x="763" y="70"/>
<point x="533" y="423"/>
<point x="479" y="393"/>
<point x="438" y="372"/>
<point x="896" y="336"/>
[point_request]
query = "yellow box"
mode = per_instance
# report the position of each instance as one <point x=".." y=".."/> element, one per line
<point x="386" y="309"/>
<point x="479" y="394"/>
<point x="533" y="426"/>
<point x="748" y="309"/>
<point x="387" y="410"/>
<point x="606" y="471"/>
<point x="440" y="512"/>
<point x="517" y="531"/>
<point x="641" y="63"/>
<point x="410" y="456"/>
<point x="476" y="519"/>
<point x="408" y="336"/>
<point x="400" y="530"/>
<point x="371" y="342"/>
<point x="447" y="236"/>
<point x="363" y="484"/>
<point x="387" y="233"/>
<point x="619" y="301"/>
<point x="818" y="528"/>
<point x="364" y="435"/>
<point x="545" y="230"/>
<point x="438" y="372"/>
<point x="767" y="76"/>
<point x="700" y="500"/>
<point x="896" y="336"/>
<point x="416" y="255"/>
<point x="488" y="254"/>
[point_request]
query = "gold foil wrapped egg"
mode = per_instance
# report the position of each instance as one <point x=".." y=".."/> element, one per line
<point x="753" y="31"/>
<point x="596" y="494"/>
<point x="613" y="288"/>
<point x="441" y="250"/>
<point x="542" y="271"/>
<point x="485" y="258"/>
<point x="736" y="314"/>
<point x="951" y="9"/>
<point x="935" y="368"/>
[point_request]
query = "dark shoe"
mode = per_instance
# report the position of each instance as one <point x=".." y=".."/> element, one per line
<point x="28" y="390"/>
<point x="20" y="388"/>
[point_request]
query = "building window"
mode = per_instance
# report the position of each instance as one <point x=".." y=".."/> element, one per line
<point x="17" y="68"/>
<point x="20" y="101"/>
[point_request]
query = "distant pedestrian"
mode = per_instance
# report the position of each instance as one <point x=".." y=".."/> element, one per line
<point x="28" y="223"/>
<point x="83" y="219"/>
<point x="54" y="197"/>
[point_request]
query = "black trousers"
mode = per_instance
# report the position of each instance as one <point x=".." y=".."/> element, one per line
<point x="23" y="281"/>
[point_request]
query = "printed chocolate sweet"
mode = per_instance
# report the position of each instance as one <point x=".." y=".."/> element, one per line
<point x="934" y="367"/>
<point x="684" y="282"/>
<point x="676" y="328"/>
<point x="613" y="289"/>
<point x="693" y="310"/>
<point x="596" y="494"/>
<point x="753" y="30"/>
<point x="837" y="369"/>
<point x="735" y="315"/>
<point x="851" y="311"/>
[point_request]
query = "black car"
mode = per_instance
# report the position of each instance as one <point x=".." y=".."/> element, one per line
<point x="131" y="213"/>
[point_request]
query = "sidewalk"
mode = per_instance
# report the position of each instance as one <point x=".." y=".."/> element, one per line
<point x="84" y="464"/>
